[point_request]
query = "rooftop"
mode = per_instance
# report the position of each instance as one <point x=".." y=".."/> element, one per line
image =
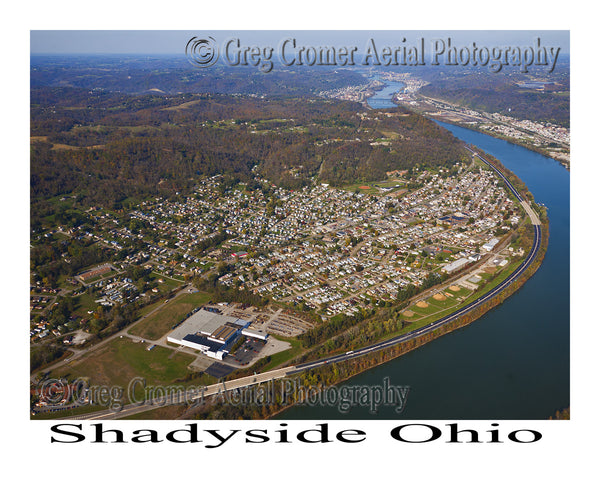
<point x="207" y="323"/>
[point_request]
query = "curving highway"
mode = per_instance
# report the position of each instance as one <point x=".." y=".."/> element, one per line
<point x="467" y="308"/>
<point x="433" y="326"/>
<point x="508" y="184"/>
<point x="283" y="372"/>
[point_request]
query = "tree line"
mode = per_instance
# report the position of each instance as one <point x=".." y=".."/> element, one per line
<point x="106" y="155"/>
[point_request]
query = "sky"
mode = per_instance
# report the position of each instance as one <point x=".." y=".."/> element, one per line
<point x="161" y="42"/>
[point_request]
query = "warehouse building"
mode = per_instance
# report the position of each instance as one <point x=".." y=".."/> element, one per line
<point x="489" y="246"/>
<point x="456" y="265"/>
<point x="211" y="333"/>
<point x="248" y="332"/>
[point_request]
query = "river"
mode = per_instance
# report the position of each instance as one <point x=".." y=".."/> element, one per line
<point x="512" y="363"/>
<point x="383" y="97"/>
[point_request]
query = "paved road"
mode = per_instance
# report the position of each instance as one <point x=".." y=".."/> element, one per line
<point x="433" y="326"/>
<point x="283" y="372"/>
<point x="78" y="353"/>
<point x="159" y="401"/>
<point x="467" y="308"/>
<point x="532" y="215"/>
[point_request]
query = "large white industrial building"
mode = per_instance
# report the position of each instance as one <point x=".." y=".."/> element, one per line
<point x="456" y="265"/>
<point x="489" y="246"/>
<point x="211" y="333"/>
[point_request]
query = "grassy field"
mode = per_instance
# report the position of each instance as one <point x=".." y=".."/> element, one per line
<point x="411" y="318"/>
<point x="390" y="134"/>
<point x="182" y="106"/>
<point x="146" y="309"/>
<point x="162" y="321"/>
<point x="449" y="302"/>
<point x="463" y="292"/>
<point x="121" y="360"/>
<point x="85" y="303"/>
<point x="168" y="281"/>
<point x="165" y="284"/>
<point x="425" y="310"/>
<point x="502" y="275"/>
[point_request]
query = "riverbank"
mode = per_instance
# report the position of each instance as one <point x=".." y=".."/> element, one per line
<point x="383" y="97"/>
<point x="495" y="292"/>
<point x="354" y="367"/>
<point x="514" y="141"/>
<point x="333" y="374"/>
<point x="513" y="365"/>
<point x="469" y="118"/>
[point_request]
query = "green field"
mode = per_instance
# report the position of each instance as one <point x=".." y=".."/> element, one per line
<point x="85" y="302"/>
<point x="122" y="360"/>
<point x="412" y="318"/>
<point x="463" y="292"/>
<point x="425" y="310"/>
<point x="449" y="302"/>
<point x="162" y="321"/>
<point x="167" y="284"/>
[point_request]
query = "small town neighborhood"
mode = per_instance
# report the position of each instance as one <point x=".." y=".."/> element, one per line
<point x="324" y="249"/>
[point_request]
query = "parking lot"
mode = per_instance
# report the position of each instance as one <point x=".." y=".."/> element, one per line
<point x="248" y="351"/>
<point x="219" y="370"/>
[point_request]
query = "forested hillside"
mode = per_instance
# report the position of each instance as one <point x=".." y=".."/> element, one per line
<point x="106" y="148"/>
<point x="505" y="94"/>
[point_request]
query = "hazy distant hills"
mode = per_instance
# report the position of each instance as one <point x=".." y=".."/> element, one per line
<point x="172" y="75"/>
